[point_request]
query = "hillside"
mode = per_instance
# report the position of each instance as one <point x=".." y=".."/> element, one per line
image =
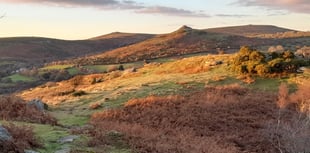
<point x="182" y="41"/>
<point x="249" y="30"/>
<point x="45" y="49"/>
<point x="160" y="106"/>
<point x="189" y="41"/>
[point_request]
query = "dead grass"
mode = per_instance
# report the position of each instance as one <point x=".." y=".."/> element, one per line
<point x="220" y="119"/>
<point x="23" y="138"/>
<point x="96" y="105"/>
<point x="187" y="66"/>
<point x="14" y="108"/>
<point x="290" y="133"/>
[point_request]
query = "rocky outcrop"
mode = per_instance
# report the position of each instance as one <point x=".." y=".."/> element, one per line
<point x="4" y="134"/>
<point x="37" y="103"/>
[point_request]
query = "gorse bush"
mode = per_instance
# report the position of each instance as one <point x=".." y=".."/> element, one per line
<point x="251" y="61"/>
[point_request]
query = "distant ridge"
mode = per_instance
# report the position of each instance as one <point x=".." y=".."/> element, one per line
<point x="40" y="49"/>
<point x="123" y="35"/>
<point x="249" y="30"/>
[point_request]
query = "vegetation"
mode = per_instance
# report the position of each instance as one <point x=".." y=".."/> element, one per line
<point x="173" y="97"/>
<point x="167" y="124"/>
<point x="23" y="138"/>
<point x="291" y="131"/>
<point x="14" y="108"/>
<point x="250" y="61"/>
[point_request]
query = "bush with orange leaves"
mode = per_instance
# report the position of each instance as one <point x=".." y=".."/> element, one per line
<point x="22" y="138"/>
<point x="226" y="119"/>
<point x="14" y="108"/>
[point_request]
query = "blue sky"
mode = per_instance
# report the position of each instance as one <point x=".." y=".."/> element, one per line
<point x="82" y="19"/>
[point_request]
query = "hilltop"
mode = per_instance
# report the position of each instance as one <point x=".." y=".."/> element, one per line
<point x="249" y="30"/>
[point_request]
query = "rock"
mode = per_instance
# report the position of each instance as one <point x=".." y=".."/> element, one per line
<point x="38" y="104"/>
<point x="30" y="151"/>
<point x="4" y="134"/>
<point x="68" y="139"/>
<point x="131" y="70"/>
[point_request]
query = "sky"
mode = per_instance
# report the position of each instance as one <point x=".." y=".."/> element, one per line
<point x="83" y="19"/>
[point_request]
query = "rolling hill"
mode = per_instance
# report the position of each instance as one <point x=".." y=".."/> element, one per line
<point x="37" y="49"/>
<point x="249" y="30"/>
<point x="188" y="41"/>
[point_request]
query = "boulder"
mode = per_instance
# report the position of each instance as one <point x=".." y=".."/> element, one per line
<point x="37" y="103"/>
<point x="68" y="139"/>
<point x="4" y="134"/>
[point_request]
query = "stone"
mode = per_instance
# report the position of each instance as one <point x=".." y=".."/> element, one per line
<point x="38" y="104"/>
<point x="68" y="139"/>
<point x="4" y="134"/>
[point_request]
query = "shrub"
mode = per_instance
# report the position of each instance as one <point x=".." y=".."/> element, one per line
<point x="262" y="69"/>
<point x="288" y="54"/>
<point x="121" y="68"/>
<point x="79" y="93"/>
<point x="23" y="138"/>
<point x="14" y="108"/>
<point x="291" y="131"/>
<point x="250" y="61"/>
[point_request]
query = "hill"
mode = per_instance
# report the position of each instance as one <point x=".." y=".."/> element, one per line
<point x="186" y="40"/>
<point x="182" y="41"/>
<point x="120" y="35"/>
<point x="160" y="106"/>
<point x="46" y="49"/>
<point x="249" y="30"/>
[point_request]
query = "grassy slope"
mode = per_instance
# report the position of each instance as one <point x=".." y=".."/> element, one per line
<point x="176" y="77"/>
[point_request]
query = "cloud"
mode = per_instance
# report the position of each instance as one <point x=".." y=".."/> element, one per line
<point x="171" y="11"/>
<point x="299" y="6"/>
<point x="115" y="5"/>
<point x="232" y="15"/>
<point x="100" y="4"/>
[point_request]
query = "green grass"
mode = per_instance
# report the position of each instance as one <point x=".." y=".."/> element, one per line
<point x="160" y="89"/>
<point x="105" y="68"/>
<point x="50" y="135"/>
<point x="73" y="71"/>
<point x="97" y="68"/>
<point x="68" y="118"/>
<point x="57" y="67"/>
<point x="18" y="77"/>
<point x="47" y="134"/>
